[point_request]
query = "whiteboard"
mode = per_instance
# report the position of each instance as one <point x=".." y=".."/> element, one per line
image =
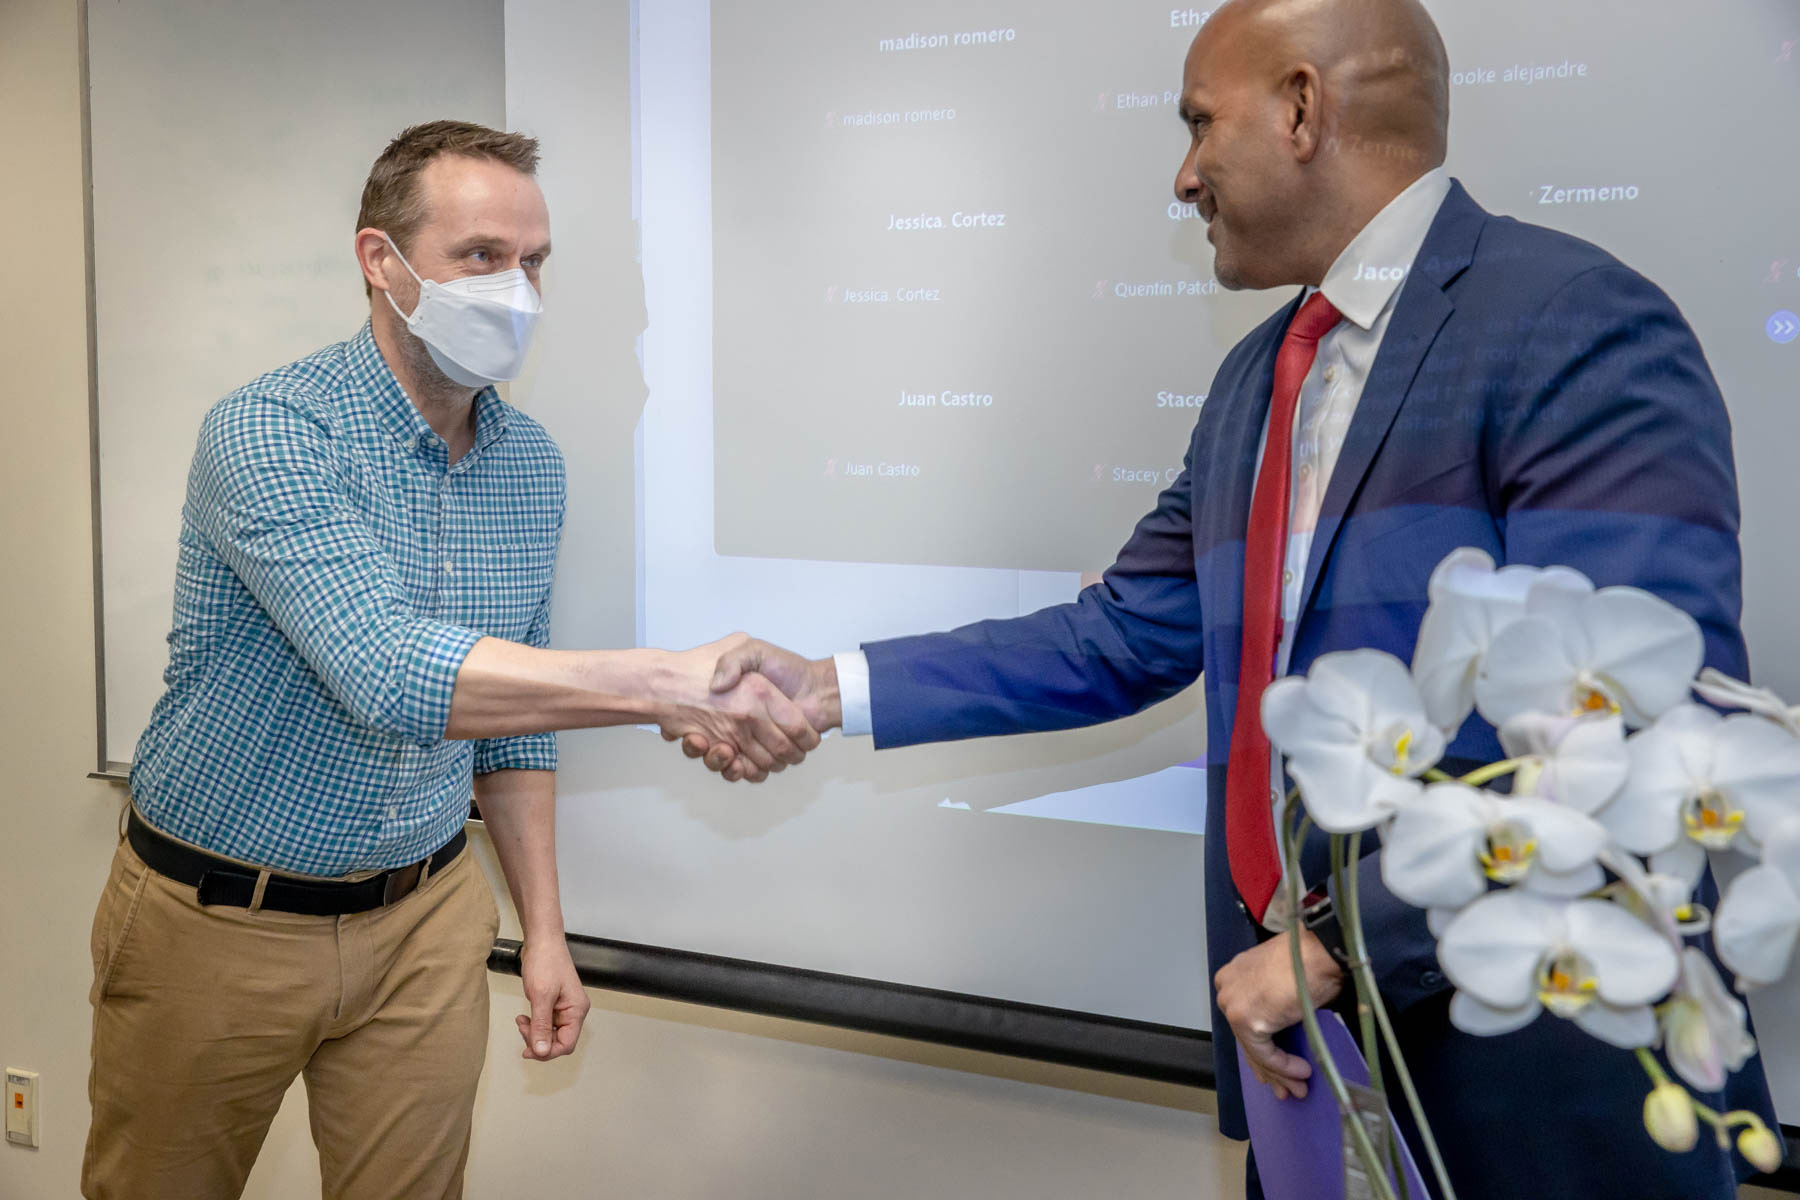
<point x="230" y="140"/>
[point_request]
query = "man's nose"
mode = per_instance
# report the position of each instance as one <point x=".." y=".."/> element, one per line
<point x="1188" y="188"/>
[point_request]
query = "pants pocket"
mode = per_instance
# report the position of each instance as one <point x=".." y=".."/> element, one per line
<point x="114" y="918"/>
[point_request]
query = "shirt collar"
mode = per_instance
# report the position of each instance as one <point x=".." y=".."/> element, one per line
<point x="395" y="409"/>
<point x="1367" y="275"/>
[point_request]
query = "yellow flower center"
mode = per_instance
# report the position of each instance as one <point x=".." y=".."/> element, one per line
<point x="1566" y="984"/>
<point x="1591" y="699"/>
<point x="1402" y="745"/>
<point x="1392" y="748"/>
<point x="1507" y="852"/>
<point x="1712" y="819"/>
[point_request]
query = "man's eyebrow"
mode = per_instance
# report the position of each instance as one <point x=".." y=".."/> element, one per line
<point x="475" y="241"/>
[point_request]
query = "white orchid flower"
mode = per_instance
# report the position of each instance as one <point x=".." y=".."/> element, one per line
<point x="1355" y="735"/>
<point x="1726" y="692"/>
<point x="1471" y="601"/>
<point x="1443" y="848"/>
<point x="1703" y="1026"/>
<point x="1702" y="782"/>
<point x="1579" y="652"/>
<point x="1759" y="915"/>
<point x="1577" y="761"/>
<point x="1663" y="901"/>
<point x="1514" y="954"/>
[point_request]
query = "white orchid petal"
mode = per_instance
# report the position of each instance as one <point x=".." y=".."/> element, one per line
<point x="1758" y="768"/>
<point x="1360" y="683"/>
<point x="1485" y="1020"/>
<point x="1471" y="602"/>
<point x="1562" y="602"/>
<point x="1287" y="714"/>
<point x="1756" y="924"/>
<point x="1566" y="839"/>
<point x="1645" y="815"/>
<point x="1685" y="861"/>
<point x="1705" y="1031"/>
<point x="1781" y="850"/>
<point x="1533" y="733"/>
<point x="1526" y="668"/>
<point x="1344" y="791"/>
<point x="1647" y="646"/>
<point x="1567" y="579"/>
<point x="1428" y="855"/>
<point x="1626" y="1027"/>
<point x="1452" y="639"/>
<point x="1463" y="570"/>
<point x="1493" y="947"/>
<point x="1633" y="963"/>
<point x="1354" y="731"/>
<point x="1590" y="764"/>
<point x="1721" y="689"/>
<point x="1583" y="880"/>
<point x="1438" y="919"/>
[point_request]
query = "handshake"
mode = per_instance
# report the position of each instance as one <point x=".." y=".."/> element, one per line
<point x="747" y="708"/>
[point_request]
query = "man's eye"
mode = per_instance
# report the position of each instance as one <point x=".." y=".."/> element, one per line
<point x="531" y="262"/>
<point x="479" y="255"/>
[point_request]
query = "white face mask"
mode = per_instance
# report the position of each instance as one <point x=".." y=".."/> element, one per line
<point x="477" y="328"/>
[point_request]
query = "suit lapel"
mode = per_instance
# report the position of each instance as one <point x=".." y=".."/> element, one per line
<point x="1232" y="479"/>
<point x="1419" y="315"/>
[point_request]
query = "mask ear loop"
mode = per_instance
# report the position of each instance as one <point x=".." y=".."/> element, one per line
<point x="409" y="271"/>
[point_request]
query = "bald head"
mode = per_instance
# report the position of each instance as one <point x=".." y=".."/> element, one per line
<point x="1381" y="62"/>
<point x="1307" y="116"/>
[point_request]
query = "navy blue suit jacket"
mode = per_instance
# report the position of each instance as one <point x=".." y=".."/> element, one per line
<point x="1533" y="397"/>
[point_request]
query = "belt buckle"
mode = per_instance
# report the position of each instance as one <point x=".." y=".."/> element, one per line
<point x="401" y="882"/>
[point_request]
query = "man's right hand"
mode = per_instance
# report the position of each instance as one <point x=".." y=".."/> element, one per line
<point x="749" y="726"/>
<point x="811" y="684"/>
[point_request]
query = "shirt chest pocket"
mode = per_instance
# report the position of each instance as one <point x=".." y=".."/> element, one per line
<point x="498" y="587"/>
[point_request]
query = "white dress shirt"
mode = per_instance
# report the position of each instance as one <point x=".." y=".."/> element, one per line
<point x="1362" y="284"/>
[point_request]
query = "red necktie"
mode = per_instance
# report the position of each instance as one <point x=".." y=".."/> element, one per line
<point x="1249" y="811"/>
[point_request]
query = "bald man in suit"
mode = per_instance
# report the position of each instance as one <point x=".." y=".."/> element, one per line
<point x="1443" y="377"/>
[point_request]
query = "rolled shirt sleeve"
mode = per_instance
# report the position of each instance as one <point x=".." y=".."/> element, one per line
<point x="266" y="493"/>
<point x="530" y="751"/>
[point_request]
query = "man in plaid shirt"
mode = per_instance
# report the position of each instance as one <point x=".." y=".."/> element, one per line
<point x="361" y="614"/>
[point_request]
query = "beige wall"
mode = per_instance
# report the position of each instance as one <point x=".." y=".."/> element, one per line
<point x="663" y="1100"/>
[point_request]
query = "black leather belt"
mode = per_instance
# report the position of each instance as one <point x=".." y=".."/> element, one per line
<point x="220" y="881"/>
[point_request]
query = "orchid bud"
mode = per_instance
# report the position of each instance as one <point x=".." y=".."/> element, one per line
<point x="1669" y="1116"/>
<point x="1760" y="1148"/>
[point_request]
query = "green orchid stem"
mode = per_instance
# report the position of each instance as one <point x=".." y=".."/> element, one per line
<point x="1433" y="775"/>
<point x="1365" y="1149"/>
<point x="1492" y="771"/>
<point x="1343" y="880"/>
<point x="1356" y="949"/>
<point x="1652" y="1068"/>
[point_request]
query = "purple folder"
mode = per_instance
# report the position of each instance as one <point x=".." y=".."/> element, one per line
<point x="1299" y="1143"/>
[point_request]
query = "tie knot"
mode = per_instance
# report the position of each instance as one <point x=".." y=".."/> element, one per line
<point x="1314" y="320"/>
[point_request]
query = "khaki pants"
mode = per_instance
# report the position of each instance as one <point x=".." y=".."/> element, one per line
<point x="203" y="1016"/>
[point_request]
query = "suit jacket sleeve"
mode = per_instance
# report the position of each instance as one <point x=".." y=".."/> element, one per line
<point x="1125" y="643"/>
<point x="1609" y="452"/>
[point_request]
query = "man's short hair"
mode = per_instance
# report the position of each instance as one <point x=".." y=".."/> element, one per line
<point x="393" y="201"/>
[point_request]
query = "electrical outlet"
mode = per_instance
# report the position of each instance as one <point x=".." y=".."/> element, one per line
<point x="21" y="1107"/>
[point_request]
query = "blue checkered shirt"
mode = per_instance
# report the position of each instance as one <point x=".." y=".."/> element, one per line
<point x="334" y="569"/>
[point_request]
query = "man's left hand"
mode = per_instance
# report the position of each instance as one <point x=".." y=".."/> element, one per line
<point x="1256" y="994"/>
<point x="559" y="1004"/>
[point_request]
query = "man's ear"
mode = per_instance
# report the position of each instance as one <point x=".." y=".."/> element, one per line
<point x="1304" y="102"/>
<point x="376" y="258"/>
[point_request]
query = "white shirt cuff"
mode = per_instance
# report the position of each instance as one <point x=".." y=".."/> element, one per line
<point x="853" y="693"/>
